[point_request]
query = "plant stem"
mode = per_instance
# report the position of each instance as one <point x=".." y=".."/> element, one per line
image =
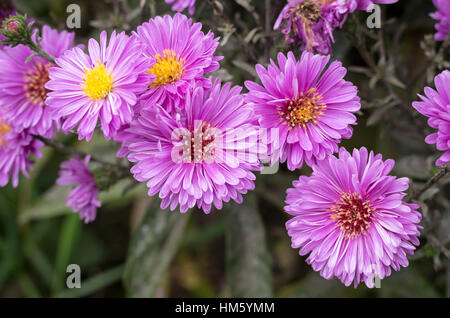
<point x="434" y="180"/>
<point x="71" y="151"/>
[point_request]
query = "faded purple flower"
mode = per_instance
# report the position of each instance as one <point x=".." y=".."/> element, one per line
<point x="16" y="148"/>
<point x="84" y="196"/>
<point x="181" y="54"/>
<point x="200" y="155"/>
<point x="443" y="16"/>
<point x="436" y="106"/>
<point x="22" y="85"/>
<point x="181" y="5"/>
<point x="310" y="107"/>
<point x="312" y="22"/>
<point x="103" y="85"/>
<point x="349" y="216"/>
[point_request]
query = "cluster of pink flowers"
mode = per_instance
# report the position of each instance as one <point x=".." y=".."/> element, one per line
<point x="192" y="139"/>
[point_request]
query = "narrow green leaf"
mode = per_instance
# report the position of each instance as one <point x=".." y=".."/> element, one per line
<point x="68" y="237"/>
<point x="152" y="248"/>
<point x="248" y="260"/>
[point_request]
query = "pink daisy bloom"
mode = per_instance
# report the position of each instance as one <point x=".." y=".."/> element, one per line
<point x="436" y="106"/>
<point x="202" y="155"/>
<point x="181" y="54"/>
<point x="16" y="147"/>
<point x="312" y="22"/>
<point x="22" y="85"/>
<point x="310" y="107"/>
<point x="102" y="85"/>
<point x="84" y="196"/>
<point x="181" y="5"/>
<point x="443" y="16"/>
<point x="349" y="216"/>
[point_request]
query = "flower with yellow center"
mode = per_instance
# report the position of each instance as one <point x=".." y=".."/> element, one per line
<point x="98" y="82"/>
<point x="168" y="68"/>
<point x="303" y="109"/>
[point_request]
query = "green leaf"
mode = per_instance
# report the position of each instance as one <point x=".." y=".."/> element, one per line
<point x="67" y="240"/>
<point x="248" y="260"/>
<point x="152" y="248"/>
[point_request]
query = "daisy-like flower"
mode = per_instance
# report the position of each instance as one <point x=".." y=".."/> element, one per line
<point x="22" y="84"/>
<point x="436" y="106"/>
<point x="203" y="156"/>
<point x="102" y="85"/>
<point x="349" y="216"/>
<point x="443" y="16"/>
<point x="181" y="5"/>
<point x="84" y="196"/>
<point x="310" y="107"/>
<point x="181" y="54"/>
<point x="16" y="148"/>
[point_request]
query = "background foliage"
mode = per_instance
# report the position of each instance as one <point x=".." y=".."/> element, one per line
<point x="134" y="249"/>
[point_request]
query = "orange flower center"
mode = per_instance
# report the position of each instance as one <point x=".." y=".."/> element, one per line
<point x="4" y="129"/>
<point x="302" y="110"/>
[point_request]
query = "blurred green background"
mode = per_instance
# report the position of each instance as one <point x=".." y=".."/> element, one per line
<point x="133" y="249"/>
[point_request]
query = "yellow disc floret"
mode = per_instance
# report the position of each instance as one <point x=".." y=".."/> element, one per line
<point x="4" y="129"/>
<point x="98" y="82"/>
<point x="167" y="69"/>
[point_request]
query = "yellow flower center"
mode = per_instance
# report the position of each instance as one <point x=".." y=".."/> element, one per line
<point x="4" y="129"/>
<point x="167" y="69"/>
<point x="303" y="109"/>
<point x="98" y="82"/>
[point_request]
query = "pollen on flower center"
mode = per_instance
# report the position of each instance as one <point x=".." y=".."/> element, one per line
<point x="4" y="129"/>
<point x="301" y="110"/>
<point x="199" y="144"/>
<point x="98" y="82"/>
<point x="35" y="80"/>
<point x="167" y="69"/>
<point x="352" y="214"/>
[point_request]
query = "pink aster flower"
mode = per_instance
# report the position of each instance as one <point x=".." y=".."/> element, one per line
<point x="102" y="85"/>
<point x="181" y="5"/>
<point x="181" y="54"/>
<point x="202" y="156"/>
<point x="22" y="85"/>
<point x="349" y="216"/>
<point x="310" y="106"/>
<point x="16" y="148"/>
<point x="84" y="196"/>
<point x="443" y="16"/>
<point x="436" y="106"/>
